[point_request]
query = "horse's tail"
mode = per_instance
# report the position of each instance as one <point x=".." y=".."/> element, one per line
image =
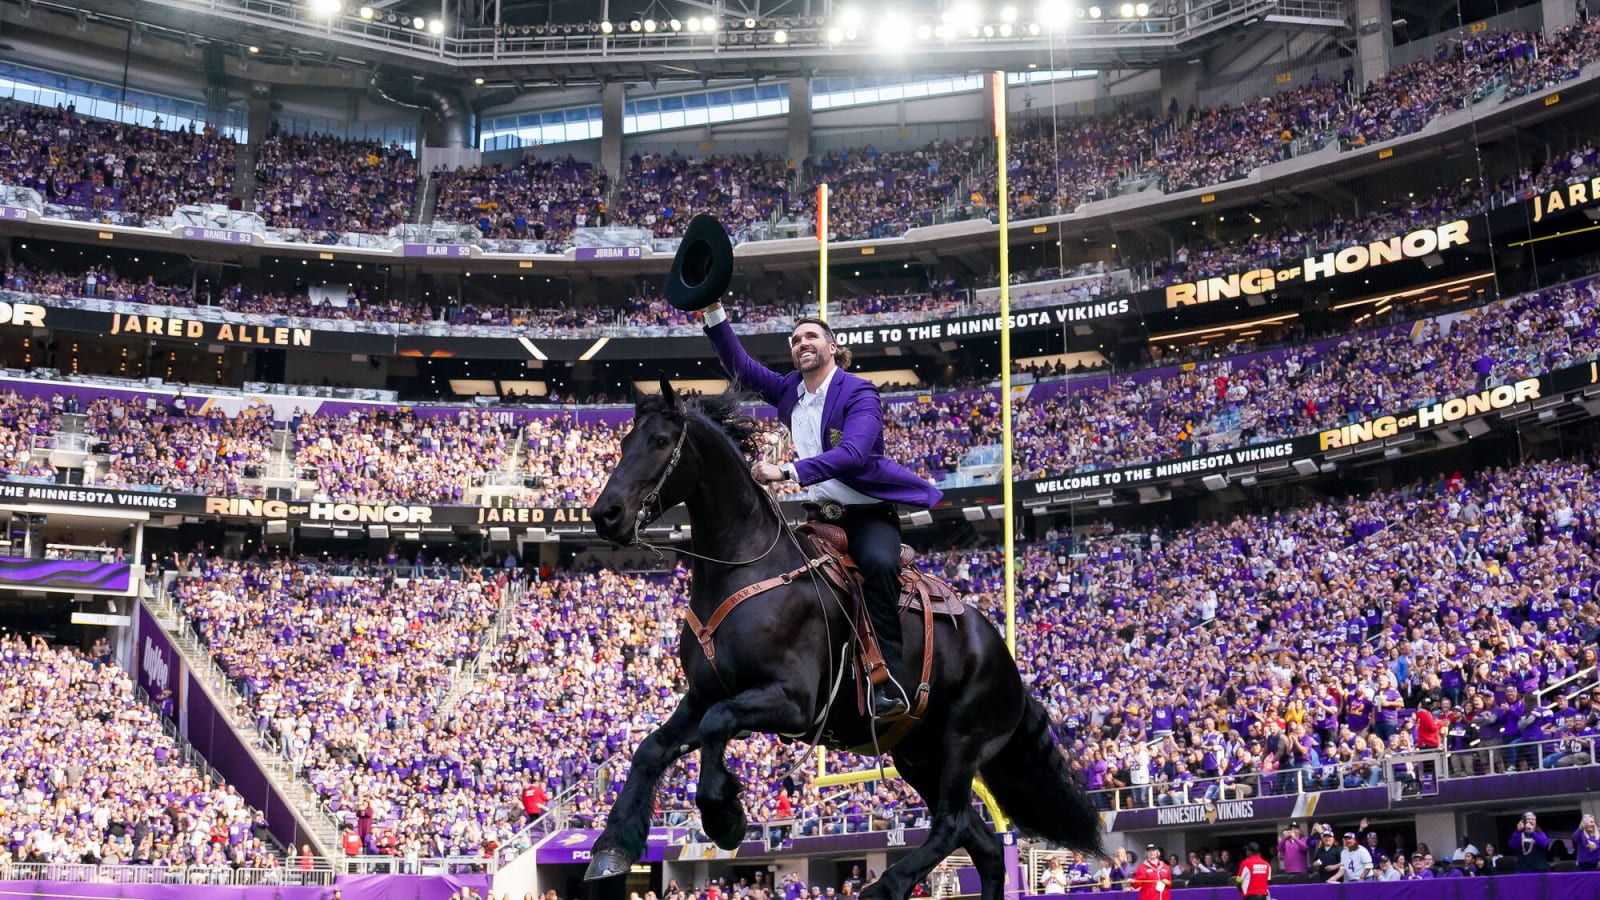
<point x="1032" y="781"/>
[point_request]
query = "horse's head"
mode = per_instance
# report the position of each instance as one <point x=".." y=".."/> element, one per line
<point x="650" y="478"/>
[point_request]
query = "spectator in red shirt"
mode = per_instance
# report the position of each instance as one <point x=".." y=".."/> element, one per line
<point x="534" y="800"/>
<point x="1153" y="878"/>
<point x="1254" y="872"/>
<point x="1428" y="729"/>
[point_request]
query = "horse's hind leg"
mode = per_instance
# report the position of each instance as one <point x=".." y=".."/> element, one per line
<point x="950" y="800"/>
<point x="988" y="856"/>
<point x="628" y="824"/>
<point x="768" y="709"/>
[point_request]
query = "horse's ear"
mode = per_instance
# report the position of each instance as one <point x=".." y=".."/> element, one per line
<point x="667" y="394"/>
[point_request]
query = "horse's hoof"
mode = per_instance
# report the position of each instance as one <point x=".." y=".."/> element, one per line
<point x="607" y="864"/>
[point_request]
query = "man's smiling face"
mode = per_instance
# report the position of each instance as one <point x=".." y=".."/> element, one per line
<point x="810" y="348"/>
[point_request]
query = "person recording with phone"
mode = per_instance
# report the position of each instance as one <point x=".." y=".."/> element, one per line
<point x="1529" y="846"/>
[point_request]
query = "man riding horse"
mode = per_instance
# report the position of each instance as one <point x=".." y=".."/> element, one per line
<point x="836" y="421"/>
<point x="769" y="639"/>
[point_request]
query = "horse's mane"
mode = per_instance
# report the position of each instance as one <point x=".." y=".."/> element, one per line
<point x="721" y="411"/>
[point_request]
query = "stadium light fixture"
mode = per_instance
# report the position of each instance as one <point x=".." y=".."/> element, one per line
<point x="1141" y="9"/>
<point x="780" y="36"/>
<point x="1127" y="10"/>
<point x="1008" y="14"/>
<point x="988" y="31"/>
<point x="254" y="49"/>
<point x="694" y="24"/>
<point x="892" y="32"/>
<point x="675" y="25"/>
<point x="1094" y="12"/>
<point x="419" y="23"/>
<point x="607" y="28"/>
<point x="649" y="26"/>
<point x="835" y="34"/>
<point x="478" y="81"/>
<point x="326" y="8"/>
<point x="850" y="18"/>
<point x="1055" y="14"/>
<point x="368" y="12"/>
<point x="708" y="24"/>
<point x="749" y="23"/>
<point x="966" y="16"/>
<point x="1034" y="29"/>
<point x="635" y="26"/>
<point x="436" y="27"/>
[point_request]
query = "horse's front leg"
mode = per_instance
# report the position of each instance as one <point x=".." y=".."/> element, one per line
<point x="628" y="824"/>
<point x="767" y="709"/>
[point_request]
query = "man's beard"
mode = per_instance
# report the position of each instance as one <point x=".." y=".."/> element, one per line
<point x="817" y="362"/>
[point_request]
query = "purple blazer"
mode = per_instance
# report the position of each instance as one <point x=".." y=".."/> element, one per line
<point x="852" y="427"/>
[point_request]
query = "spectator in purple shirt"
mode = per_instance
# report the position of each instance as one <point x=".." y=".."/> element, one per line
<point x="1586" y="842"/>
<point x="1529" y="846"/>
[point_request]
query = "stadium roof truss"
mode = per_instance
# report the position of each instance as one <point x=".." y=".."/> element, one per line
<point x="766" y="38"/>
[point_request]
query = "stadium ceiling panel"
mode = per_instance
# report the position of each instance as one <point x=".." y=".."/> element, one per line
<point x="549" y="42"/>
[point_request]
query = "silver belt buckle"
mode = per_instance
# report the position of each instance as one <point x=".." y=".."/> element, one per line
<point x="832" y="510"/>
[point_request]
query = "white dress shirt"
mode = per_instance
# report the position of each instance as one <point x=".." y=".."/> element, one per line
<point x="805" y="427"/>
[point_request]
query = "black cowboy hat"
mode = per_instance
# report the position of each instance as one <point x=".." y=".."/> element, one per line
<point x="703" y="267"/>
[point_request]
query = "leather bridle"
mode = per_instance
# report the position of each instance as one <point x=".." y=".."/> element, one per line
<point x="643" y="517"/>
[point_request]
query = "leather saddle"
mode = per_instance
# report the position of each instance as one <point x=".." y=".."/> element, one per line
<point x="919" y="593"/>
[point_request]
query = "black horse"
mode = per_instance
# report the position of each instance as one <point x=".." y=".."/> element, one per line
<point x="776" y="663"/>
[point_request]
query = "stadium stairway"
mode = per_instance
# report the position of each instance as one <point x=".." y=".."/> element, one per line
<point x="244" y="175"/>
<point x="471" y="674"/>
<point x="315" y="820"/>
<point x="423" y="205"/>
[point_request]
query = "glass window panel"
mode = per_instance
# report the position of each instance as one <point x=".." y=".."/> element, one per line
<point x="671" y="120"/>
<point x="671" y="104"/>
<point x="744" y="95"/>
<point x="723" y="113"/>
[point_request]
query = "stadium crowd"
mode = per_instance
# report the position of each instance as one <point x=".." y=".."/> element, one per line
<point x="327" y="184"/>
<point x="1437" y="616"/>
<point x="108" y="169"/>
<point x="344" y="676"/>
<point x="92" y="777"/>
<point x="1097" y="421"/>
<point x="382" y="456"/>
<point x="539" y="200"/>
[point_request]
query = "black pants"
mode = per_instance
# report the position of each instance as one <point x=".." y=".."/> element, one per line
<point x="874" y="533"/>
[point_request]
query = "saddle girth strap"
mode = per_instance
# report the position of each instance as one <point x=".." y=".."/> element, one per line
<point x="706" y="633"/>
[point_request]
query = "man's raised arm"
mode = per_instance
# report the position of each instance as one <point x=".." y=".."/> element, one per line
<point x="735" y="362"/>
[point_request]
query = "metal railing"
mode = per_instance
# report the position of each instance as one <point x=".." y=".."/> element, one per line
<point x="319" y="874"/>
<point x="557" y="815"/>
<point x="430" y="865"/>
<point x="1400" y="773"/>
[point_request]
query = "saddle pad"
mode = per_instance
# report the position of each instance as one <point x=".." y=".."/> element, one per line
<point x="916" y="588"/>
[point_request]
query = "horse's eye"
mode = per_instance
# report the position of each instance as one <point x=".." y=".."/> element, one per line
<point x="660" y="441"/>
